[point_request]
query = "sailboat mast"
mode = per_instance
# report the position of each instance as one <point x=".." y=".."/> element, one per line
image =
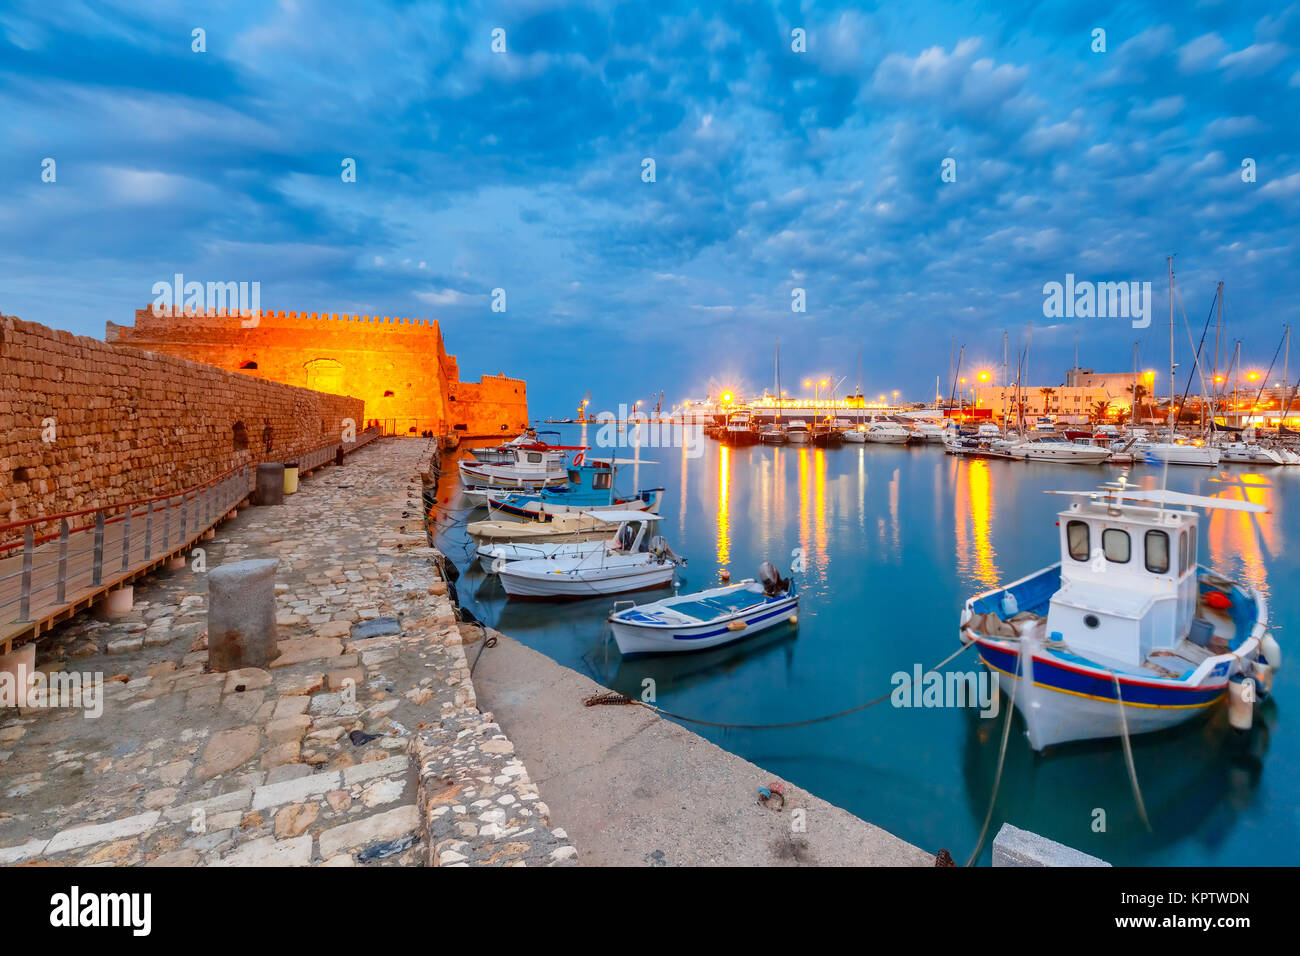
<point x="1172" y="412"/>
<point x="1236" y="378"/>
<point x="776" y="361"/>
<point x="1286" y="377"/>
<point x="1004" y="383"/>
<point x="1132" y="412"/>
<point x="1218" y="329"/>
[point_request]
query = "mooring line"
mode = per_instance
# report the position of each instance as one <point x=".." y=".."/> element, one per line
<point x="1128" y="755"/>
<point x="997" y="779"/>
<point x="613" y="698"/>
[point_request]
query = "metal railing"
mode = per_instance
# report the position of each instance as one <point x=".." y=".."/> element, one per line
<point x="49" y="575"/>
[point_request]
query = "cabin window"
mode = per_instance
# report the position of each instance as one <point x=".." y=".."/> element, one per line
<point x="575" y="477"/>
<point x="601" y="481"/>
<point x="1157" y="546"/>
<point x="1078" y="540"/>
<point x="1182" y="553"/>
<point x="1117" y="546"/>
<point x="535" y="457"/>
<point x="1191" y="552"/>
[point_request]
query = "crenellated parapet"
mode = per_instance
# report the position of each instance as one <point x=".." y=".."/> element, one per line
<point x="397" y="365"/>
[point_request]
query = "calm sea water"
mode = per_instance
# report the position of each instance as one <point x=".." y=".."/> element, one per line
<point x="895" y="539"/>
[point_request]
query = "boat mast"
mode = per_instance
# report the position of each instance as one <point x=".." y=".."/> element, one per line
<point x="1004" y="383"/>
<point x="1218" y="331"/>
<point x="1286" y="377"/>
<point x="1172" y="413"/>
<point x="1236" y="379"/>
<point x="777" y="364"/>
<point x="1132" y="412"/>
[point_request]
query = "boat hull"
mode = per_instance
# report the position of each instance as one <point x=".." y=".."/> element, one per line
<point x="1066" y="454"/>
<point x="641" y="639"/>
<point x="585" y="582"/>
<point x="1172" y="454"/>
<point x="1062" y="703"/>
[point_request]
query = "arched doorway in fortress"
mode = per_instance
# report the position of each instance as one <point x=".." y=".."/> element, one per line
<point x="325" y="375"/>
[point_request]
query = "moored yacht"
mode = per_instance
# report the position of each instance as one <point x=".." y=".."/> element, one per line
<point x="1059" y="448"/>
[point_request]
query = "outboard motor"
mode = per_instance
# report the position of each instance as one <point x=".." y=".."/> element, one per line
<point x="659" y="548"/>
<point x="770" y="577"/>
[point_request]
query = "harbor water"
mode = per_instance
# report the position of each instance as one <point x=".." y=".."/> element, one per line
<point x="893" y="539"/>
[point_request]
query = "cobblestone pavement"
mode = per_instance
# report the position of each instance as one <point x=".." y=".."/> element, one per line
<point x="360" y="745"/>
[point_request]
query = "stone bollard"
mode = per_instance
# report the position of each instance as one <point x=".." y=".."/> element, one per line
<point x="270" y="484"/>
<point x="241" y="615"/>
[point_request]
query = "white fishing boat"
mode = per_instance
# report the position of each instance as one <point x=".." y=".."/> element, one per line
<point x="566" y="527"/>
<point x="504" y="451"/>
<point x="694" y="622"/>
<point x="887" y="433"/>
<point x="797" y="433"/>
<point x="1125" y="634"/>
<point x="1059" y="448"/>
<point x="529" y="467"/>
<point x="635" y="565"/>
<point x="857" y="434"/>
<point x="772" y="434"/>
<point x="492" y="557"/>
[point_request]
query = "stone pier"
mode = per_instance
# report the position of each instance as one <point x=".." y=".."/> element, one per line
<point x="360" y="744"/>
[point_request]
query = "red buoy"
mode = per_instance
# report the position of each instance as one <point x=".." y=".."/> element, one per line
<point x="1218" y="600"/>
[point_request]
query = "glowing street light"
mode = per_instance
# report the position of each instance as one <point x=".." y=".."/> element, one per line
<point x="984" y="376"/>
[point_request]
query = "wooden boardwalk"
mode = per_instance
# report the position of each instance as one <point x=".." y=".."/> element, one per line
<point x="42" y="584"/>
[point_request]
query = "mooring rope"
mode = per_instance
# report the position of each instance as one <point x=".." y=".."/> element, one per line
<point x="615" y="698"/>
<point x="1128" y="755"/>
<point x="997" y="779"/>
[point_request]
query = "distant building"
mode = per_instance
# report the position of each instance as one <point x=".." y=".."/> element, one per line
<point x="1039" y="400"/>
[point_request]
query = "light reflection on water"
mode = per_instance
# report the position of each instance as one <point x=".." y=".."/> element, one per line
<point x="895" y="539"/>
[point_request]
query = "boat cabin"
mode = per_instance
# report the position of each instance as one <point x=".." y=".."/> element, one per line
<point x="1128" y="578"/>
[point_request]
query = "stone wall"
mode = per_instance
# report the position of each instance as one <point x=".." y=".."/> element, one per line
<point x="127" y="424"/>
<point x="398" y="367"/>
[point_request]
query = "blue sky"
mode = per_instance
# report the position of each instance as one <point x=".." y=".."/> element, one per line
<point x="775" y="170"/>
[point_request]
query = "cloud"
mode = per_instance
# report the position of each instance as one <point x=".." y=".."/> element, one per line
<point x="1254" y="59"/>
<point x="523" y="171"/>
<point x="1201" y="53"/>
<point x="1157" y="111"/>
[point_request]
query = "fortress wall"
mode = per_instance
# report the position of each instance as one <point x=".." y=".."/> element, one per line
<point x="398" y="366"/>
<point x="131" y="424"/>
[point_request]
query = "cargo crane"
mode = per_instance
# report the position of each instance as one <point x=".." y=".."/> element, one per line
<point x="582" y="409"/>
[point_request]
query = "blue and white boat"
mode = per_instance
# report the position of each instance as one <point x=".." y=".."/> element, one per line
<point x="1125" y="634"/>
<point x="693" y="622"/>
<point x="589" y="489"/>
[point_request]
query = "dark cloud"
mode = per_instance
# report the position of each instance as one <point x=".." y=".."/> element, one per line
<point x="773" y="170"/>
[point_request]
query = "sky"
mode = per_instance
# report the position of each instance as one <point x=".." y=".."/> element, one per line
<point x="919" y="170"/>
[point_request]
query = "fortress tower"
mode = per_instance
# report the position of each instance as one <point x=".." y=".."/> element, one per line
<point x="398" y="367"/>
